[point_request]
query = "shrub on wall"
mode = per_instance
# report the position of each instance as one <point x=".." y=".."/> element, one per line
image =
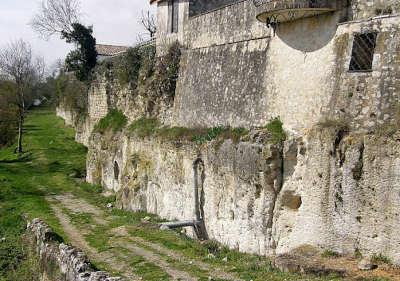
<point x="132" y="68"/>
<point x="166" y="72"/>
<point x="139" y="68"/>
<point x="128" y="67"/>
<point x="115" y="120"/>
<point x="72" y="94"/>
<point x="275" y="128"/>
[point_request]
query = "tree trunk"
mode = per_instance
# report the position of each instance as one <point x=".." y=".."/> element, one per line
<point x="20" y="130"/>
<point x="21" y="121"/>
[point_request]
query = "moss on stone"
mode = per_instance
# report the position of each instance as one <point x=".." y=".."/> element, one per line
<point x="275" y="128"/>
<point x="144" y="127"/>
<point x="151" y="127"/>
<point x="115" y="120"/>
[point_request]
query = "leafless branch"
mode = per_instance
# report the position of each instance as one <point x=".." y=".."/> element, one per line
<point x="148" y="21"/>
<point x="56" y="16"/>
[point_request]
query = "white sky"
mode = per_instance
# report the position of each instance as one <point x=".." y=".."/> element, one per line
<point x="114" y="22"/>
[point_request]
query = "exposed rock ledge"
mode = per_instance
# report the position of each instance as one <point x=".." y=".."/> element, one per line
<point x="60" y="261"/>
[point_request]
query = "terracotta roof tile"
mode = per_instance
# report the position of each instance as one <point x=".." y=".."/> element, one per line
<point x="110" y="50"/>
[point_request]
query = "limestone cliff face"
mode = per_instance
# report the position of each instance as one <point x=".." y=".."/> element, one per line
<point x="333" y="184"/>
<point x="329" y="189"/>
<point x="349" y="191"/>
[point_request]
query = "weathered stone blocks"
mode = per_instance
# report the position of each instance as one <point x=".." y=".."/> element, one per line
<point x="60" y="261"/>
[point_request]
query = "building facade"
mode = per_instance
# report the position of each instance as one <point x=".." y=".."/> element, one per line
<point x="246" y="62"/>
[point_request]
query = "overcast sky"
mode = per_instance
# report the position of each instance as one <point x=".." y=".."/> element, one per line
<point x="114" y="22"/>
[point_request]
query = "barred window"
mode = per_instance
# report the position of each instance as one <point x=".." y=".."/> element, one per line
<point x="363" y="52"/>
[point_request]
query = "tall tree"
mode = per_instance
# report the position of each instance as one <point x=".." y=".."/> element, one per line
<point x="62" y="17"/>
<point x="18" y="65"/>
<point x="84" y="58"/>
<point x="56" y="17"/>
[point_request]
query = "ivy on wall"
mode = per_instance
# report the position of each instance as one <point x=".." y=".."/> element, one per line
<point x="72" y="94"/>
<point x="141" y="70"/>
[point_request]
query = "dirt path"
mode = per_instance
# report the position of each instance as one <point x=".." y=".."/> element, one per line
<point x="78" y="240"/>
<point x="120" y="238"/>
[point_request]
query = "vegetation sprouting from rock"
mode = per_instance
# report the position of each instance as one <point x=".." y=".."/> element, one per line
<point x="166" y="71"/>
<point x="72" y="94"/>
<point x="83" y="59"/>
<point x="143" y="72"/>
<point x="115" y="120"/>
<point x="151" y="127"/>
<point x="275" y="128"/>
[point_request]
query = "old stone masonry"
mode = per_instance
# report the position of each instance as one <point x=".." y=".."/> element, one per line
<point x="329" y="71"/>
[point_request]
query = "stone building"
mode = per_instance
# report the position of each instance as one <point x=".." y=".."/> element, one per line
<point x="329" y="69"/>
<point x="286" y="58"/>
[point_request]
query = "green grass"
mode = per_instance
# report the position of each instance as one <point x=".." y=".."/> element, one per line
<point x="115" y="120"/>
<point x="144" y="127"/>
<point x="275" y="128"/>
<point x="330" y="254"/>
<point x="51" y="155"/>
<point x="50" y="166"/>
<point x="147" y="270"/>
<point x="380" y="258"/>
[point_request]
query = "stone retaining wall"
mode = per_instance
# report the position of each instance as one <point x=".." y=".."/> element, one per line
<point x="60" y="261"/>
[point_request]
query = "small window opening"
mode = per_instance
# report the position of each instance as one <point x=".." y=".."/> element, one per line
<point x="173" y="18"/>
<point x="116" y="170"/>
<point x="363" y="52"/>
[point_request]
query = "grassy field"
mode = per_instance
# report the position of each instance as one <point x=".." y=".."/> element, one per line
<point x="54" y="164"/>
<point x="51" y="156"/>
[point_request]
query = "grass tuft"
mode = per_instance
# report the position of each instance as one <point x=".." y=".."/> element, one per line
<point x="115" y="120"/>
<point x="151" y="127"/>
<point x="330" y="254"/>
<point x="275" y="128"/>
<point x="144" y="127"/>
<point x="380" y="258"/>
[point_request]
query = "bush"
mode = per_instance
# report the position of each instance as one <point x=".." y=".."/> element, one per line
<point x="72" y="94"/>
<point x="8" y="114"/>
<point x="330" y="254"/>
<point x="128" y="67"/>
<point x="115" y="120"/>
<point x="133" y="67"/>
<point x="166" y="72"/>
<point x="275" y="128"/>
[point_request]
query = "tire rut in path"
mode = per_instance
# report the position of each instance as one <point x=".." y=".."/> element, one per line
<point x="77" y="240"/>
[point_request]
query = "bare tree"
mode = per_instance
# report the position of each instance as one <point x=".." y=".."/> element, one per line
<point x="18" y="65"/>
<point x="56" y="16"/>
<point x="148" y="21"/>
